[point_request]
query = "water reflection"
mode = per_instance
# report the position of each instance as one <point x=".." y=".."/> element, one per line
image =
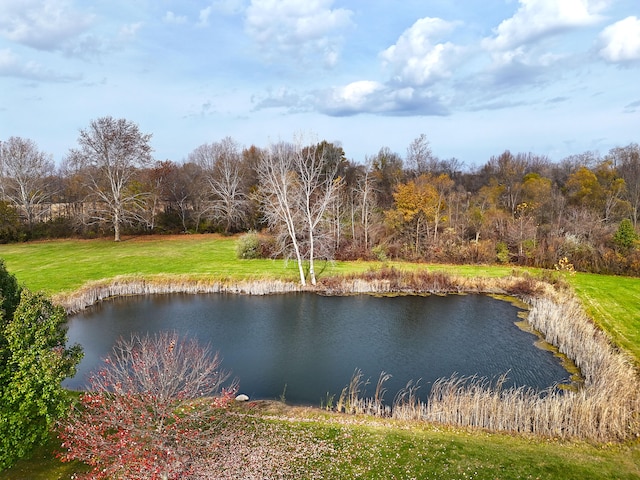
<point x="311" y="344"/>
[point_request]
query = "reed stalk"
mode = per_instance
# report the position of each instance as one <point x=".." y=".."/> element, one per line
<point x="606" y="407"/>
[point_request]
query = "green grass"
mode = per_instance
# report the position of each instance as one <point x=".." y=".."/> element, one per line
<point x="425" y="453"/>
<point x="614" y="303"/>
<point x="42" y="465"/>
<point x="367" y="450"/>
<point x="65" y="265"/>
<point x="60" y="266"/>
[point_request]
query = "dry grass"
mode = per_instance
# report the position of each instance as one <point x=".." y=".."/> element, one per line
<point x="605" y="408"/>
<point x="95" y="292"/>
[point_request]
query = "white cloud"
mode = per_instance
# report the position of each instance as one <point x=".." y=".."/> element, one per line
<point x="41" y="24"/>
<point x="367" y="96"/>
<point x="172" y="18"/>
<point x="621" y="41"/>
<point x="297" y="29"/>
<point x="354" y="96"/>
<point x="535" y="19"/>
<point x="12" y="66"/>
<point x="203" y="17"/>
<point x="416" y="59"/>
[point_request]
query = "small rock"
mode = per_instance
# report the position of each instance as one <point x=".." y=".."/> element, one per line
<point x="242" y="398"/>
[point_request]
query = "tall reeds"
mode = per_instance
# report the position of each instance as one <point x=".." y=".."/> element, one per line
<point x="606" y="407"/>
<point x="95" y="292"/>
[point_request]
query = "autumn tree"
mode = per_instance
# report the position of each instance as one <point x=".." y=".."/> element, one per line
<point x="25" y="175"/>
<point x="151" y="412"/>
<point x="34" y="359"/>
<point x="413" y="207"/>
<point x="110" y="155"/>
<point x="599" y="189"/>
<point x="421" y="202"/>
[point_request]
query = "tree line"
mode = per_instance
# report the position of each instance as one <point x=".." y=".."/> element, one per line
<point x="311" y="202"/>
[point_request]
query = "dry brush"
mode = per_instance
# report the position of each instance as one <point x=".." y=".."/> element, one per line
<point x="605" y="407"/>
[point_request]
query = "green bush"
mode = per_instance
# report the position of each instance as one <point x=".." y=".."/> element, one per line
<point x="33" y="363"/>
<point x="380" y="253"/>
<point x="248" y="246"/>
<point x="626" y="236"/>
<point x="502" y="252"/>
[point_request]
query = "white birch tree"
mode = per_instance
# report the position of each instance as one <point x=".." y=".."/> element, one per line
<point x="298" y="187"/>
<point x="280" y="193"/>
<point x="319" y="187"/>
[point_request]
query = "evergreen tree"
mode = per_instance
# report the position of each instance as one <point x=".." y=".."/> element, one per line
<point x="625" y="236"/>
<point x="34" y="361"/>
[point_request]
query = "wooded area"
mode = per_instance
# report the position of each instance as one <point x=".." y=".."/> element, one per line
<point x="312" y="202"/>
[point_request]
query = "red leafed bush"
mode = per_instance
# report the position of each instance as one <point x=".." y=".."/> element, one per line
<point x="153" y="410"/>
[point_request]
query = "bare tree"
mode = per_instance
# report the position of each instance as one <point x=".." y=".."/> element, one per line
<point x="319" y="185"/>
<point x="24" y="174"/>
<point x="298" y="186"/>
<point x="627" y="162"/>
<point x="110" y="155"/>
<point x="221" y="166"/>
<point x="420" y="158"/>
<point x="280" y="192"/>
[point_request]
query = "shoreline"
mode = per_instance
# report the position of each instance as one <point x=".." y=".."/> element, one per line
<point x="606" y="407"/>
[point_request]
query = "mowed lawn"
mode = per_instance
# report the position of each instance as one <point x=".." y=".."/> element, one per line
<point x="364" y="449"/>
<point x="65" y="265"/>
<point x="614" y="303"/>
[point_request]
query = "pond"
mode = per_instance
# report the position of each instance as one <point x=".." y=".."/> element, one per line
<point x="305" y="346"/>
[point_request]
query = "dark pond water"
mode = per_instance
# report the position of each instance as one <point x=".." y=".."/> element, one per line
<point x="311" y="344"/>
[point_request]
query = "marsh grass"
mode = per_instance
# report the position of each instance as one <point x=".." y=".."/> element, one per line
<point x="97" y="291"/>
<point x="606" y="407"/>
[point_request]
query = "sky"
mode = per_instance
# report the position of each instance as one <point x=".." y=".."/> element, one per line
<point x="550" y="77"/>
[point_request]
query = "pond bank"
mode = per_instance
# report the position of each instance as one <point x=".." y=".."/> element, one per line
<point x="606" y="408"/>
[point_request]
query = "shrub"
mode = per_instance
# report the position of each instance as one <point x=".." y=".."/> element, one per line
<point x="248" y="246"/>
<point x="625" y="237"/>
<point x="502" y="252"/>
<point x="380" y="253"/>
<point x="153" y="411"/>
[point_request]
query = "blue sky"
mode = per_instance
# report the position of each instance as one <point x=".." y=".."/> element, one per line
<point x="551" y="77"/>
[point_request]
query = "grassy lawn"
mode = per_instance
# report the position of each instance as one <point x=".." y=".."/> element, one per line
<point x="614" y="303"/>
<point x="363" y="448"/>
<point x="372" y="449"/>
<point x="65" y="265"/>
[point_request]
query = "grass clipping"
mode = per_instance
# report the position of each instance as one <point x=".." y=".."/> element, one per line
<point x="606" y="407"/>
